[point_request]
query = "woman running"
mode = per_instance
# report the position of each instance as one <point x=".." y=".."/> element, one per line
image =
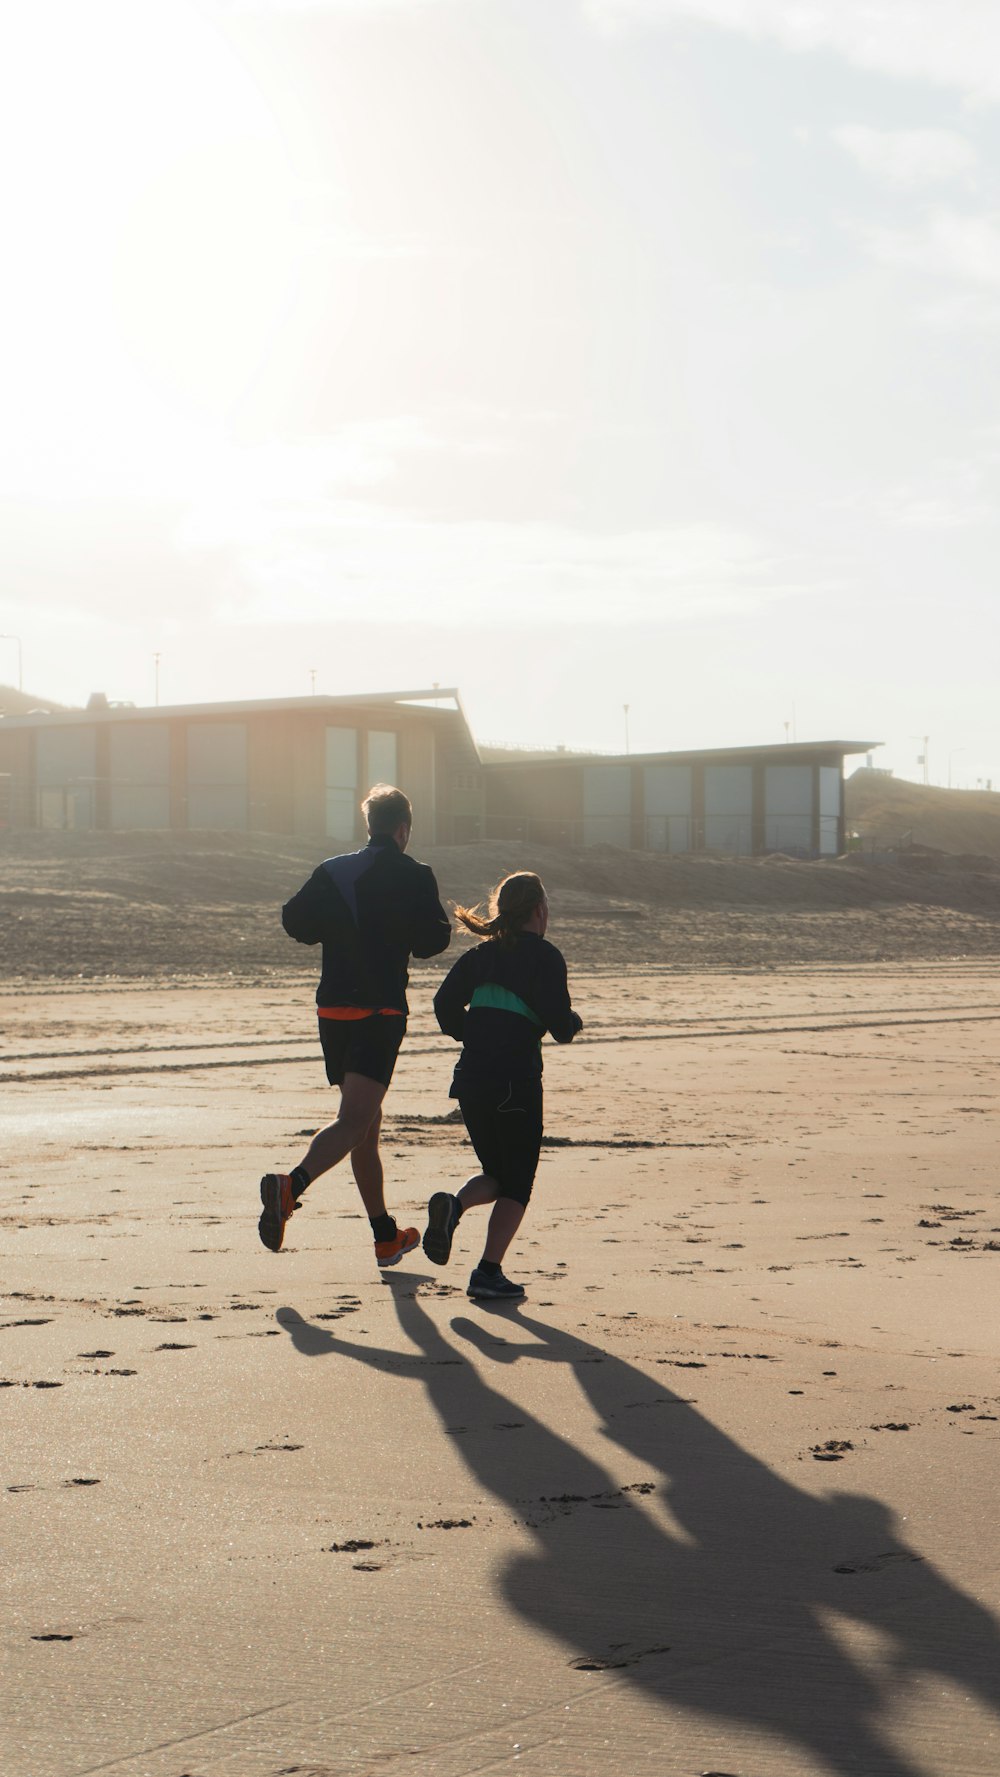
<point x="498" y="1001"/>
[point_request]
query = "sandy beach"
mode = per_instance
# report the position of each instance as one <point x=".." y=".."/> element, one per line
<point x="719" y="1497"/>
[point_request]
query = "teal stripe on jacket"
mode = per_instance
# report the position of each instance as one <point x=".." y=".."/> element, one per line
<point x="500" y="999"/>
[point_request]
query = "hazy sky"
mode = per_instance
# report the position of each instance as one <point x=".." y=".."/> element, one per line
<point x="578" y="352"/>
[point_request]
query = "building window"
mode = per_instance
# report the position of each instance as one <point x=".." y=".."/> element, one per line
<point x="729" y="809"/>
<point x="140" y="774"/>
<point x="830" y="793"/>
<point x="382" y="761"/>
<point x="341" y="783"/>
<point x="217" y="775"/>
<point x="667" y="802"/>
<point x="607" y="805"/>
<point x="66" y="767"/>
<point x="788" y="809"/>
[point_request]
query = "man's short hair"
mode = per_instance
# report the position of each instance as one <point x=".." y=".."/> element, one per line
<point x="385" y="809"/>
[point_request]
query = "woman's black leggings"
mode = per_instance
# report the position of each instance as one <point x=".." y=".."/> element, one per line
<point x="505" y="1128"/>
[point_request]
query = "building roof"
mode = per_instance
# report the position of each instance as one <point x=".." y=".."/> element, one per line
<point x="772" y="753"/>
<point x="440" y="703"/>
<point x="440" y="700"/>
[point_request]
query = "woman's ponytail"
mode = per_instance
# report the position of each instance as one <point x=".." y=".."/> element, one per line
<point x="511" y="905"/>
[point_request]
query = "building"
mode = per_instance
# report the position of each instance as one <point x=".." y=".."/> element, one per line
<point x="301" y="765"/>
<point x="739" y="801"/>
<point x="294" y="765"/>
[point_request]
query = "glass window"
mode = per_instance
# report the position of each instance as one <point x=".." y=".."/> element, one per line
<point x="830" y="802"/>
<point x="607" y="805"/>
<point x="829" y="791"/>
<point x="140" y="774"/>
<point x="667" y="797"/>
<point x="217" y="774"/>
<point x="382" y="767"/>
<point x="729" y="809"/>
<point x="341" y="783"/>
<point x="341" y="759"/>
<point x="788" y="799"/>
<point x="66" y="762"/>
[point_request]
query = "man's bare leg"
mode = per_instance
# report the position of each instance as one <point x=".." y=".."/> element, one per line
<point x="360" y="1107"/>
<point x="356" y="1132"/>
<point x="366" y="1164"/>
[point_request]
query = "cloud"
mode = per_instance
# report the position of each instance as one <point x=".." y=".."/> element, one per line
<point x="960" y="311"/>
<point x="352" y="561"/>
<point x="945" y="245"/>
<point x="238" y="8"/>
<point x="954" y="45"/>
<point x="908" y="160"/>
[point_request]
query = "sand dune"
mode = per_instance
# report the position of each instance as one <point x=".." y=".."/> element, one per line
<point x="154" y="905"/>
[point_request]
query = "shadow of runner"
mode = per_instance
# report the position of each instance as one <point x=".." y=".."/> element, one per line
<point x="720" y="1589"/>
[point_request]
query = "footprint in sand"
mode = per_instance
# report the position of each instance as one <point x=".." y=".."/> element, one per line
<point x="832" y="1451"/>
<point x="615" y="1659"/>
<point x="875" y="1563"/>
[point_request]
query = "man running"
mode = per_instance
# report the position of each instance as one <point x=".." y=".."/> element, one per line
<point x="371" y="910"/>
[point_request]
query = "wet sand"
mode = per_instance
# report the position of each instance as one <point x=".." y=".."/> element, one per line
<point x="720" y="1496"/>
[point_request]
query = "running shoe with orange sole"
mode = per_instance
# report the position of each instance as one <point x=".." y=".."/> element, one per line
<point x="389" y="1252"/>
<point x="279" y="1204"/>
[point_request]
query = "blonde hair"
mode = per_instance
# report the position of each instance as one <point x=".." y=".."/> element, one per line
<point x="511" y="905"/>
<point x="385" y="808"/>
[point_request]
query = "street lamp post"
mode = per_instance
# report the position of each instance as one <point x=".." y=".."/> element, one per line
<point x="924" y="758"/>
<point x="20" y="676"/>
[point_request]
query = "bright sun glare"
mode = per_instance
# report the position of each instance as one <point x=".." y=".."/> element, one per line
<point x="149" y="213"/>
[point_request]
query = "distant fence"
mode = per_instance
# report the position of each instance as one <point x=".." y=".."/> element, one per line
<point x="675" y="835"/>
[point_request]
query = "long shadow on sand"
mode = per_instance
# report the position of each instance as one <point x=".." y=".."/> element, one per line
<point x="724" y="1589"/>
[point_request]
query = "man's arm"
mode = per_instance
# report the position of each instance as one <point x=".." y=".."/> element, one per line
<point x="306" y="915"/>
<point x="431" y="925"/>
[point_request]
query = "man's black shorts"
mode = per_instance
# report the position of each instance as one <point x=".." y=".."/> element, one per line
<point x="366" y="1046"/>
<point x="505" y="1128"/>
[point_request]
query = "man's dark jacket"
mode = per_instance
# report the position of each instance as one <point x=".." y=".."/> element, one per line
<point x="371" y="910"/>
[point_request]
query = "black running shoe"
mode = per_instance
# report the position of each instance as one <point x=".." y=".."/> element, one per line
<point x="498" y="1288"/>
<point x="441" y="1224"/>
<point x="279" y="1205"/>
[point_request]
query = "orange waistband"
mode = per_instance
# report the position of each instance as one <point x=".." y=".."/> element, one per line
<point x="345" y="1012"/>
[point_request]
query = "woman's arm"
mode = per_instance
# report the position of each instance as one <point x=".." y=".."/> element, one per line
<point x="551" y="997"/>
<point x="453" y="996"/>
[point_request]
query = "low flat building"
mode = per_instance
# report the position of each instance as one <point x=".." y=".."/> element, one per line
<point x="301" y="766"/>
<point x="737" y="801"/>
<point x="293" y="765"/>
